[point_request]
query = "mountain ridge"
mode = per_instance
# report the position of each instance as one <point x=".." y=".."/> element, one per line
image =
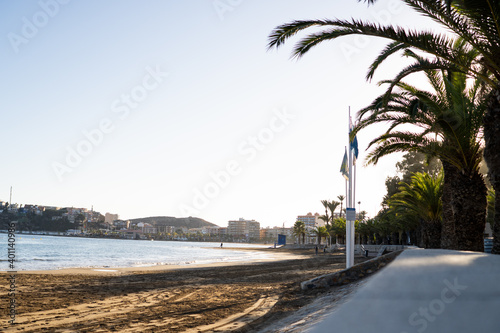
<point x="188" y="222"/>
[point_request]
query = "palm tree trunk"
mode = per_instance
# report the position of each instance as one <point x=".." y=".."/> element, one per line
<point x="423" y="235"/>
<point x="433" y="232"/>
<point x="496" y="228"/>
<point x="464" y="210"/>
<point x="469" y="207"/>
<point x="491" y="123"/>
<point x="448" y="237"/>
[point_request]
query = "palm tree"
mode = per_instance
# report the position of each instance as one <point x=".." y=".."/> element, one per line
<point x="299" y="229"/>
<point x="449" y="120"/>
<point x="341" y="198"/>
<point x="475" y="22"/>
<point x="325" y="204"/>
<point x="332" y="205"/>
<point x="421" y="198"/>
<point x="325" y="218"/>
<point x="385" y="227"/>
<point x="367" y="231"/>
<point x="338" y="228"/>
<point x="320" y="232"/>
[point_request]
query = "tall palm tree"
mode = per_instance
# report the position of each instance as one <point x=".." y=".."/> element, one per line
<point x="476" y="22"/>
<point x="449" y="123"/>
<point x="325" y="218"/>
<point x="299" y="229"/>
<point x="341" y="199"/>
<point x="421" y="198"/>
<point x="332" y="205"/>
<point x="325" y="204"/>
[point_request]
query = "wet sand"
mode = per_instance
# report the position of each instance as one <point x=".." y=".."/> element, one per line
<point x="243" y="297"/>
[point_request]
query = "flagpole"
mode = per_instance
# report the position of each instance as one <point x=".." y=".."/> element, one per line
<point x="355" y="176"/>
<point x="349" y="222"/>
<point x="349" y="161"/>
<point x="354" y="187"/>
<point x="346" y="196"/>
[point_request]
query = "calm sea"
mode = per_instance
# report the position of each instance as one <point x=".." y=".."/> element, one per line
<point x="37" y="252"/>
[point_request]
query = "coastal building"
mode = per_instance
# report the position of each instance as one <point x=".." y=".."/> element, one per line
<point x="169" y="229"/>
<point x="51" y="208"/>
<point x="149" y="229"/>
<point x="262" y="234"/>
<point x="146" y="228"/>
<point x="272" y="233"/>
<point x="109" y="218"/>
<point x="311" y="222"/>
<point x="197" y="231"/>
<point x="244" y="228"/>
<point x="75" y="214"/>
<point x="132" y="234"/>
<point x="35" y="209"/>
<point x="121" y="224"/>
<point x="212" y="230"/>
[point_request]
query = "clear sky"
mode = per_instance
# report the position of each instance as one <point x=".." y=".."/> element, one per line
<point x="162" y="107"/>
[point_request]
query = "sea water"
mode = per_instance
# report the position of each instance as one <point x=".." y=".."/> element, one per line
<point x="40" y="252"/>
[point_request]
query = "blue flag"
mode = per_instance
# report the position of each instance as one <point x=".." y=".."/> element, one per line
<point x="354" y="143"/>
<point x="354" y="147"/>
<point x="344" y="168"/>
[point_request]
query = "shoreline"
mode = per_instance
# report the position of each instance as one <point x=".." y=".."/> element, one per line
<point x="276" y="255"/>
<point x="140" y="239"/>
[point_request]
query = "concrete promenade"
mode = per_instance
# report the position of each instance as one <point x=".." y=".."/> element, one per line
<point x="432" y="291"/>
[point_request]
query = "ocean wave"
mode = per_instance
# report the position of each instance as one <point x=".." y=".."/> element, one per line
<point x="161" y="263"/>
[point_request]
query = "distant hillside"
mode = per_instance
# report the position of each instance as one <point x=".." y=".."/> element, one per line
<point x="188" y="222"/>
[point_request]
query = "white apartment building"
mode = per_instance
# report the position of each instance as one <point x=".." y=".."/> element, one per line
<point x="311" y="222"/>
<point x="242" y="227"/>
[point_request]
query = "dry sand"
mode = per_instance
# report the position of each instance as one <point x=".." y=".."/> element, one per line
<point x="243" y="297"/>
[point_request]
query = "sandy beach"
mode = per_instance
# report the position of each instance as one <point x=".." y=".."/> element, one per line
<point x="243" y="297"/>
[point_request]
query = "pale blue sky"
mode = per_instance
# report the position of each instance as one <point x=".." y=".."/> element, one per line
<point x="68" y="69"/>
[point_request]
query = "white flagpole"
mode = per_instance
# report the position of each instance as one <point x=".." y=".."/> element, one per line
<point x="354" y="180"/>
<point x="354" y="188"/>
<point x="346" y="195"/>
<point x="349" y="222"/>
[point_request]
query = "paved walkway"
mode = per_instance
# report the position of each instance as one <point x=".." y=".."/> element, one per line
<point x="432" y="291"/>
